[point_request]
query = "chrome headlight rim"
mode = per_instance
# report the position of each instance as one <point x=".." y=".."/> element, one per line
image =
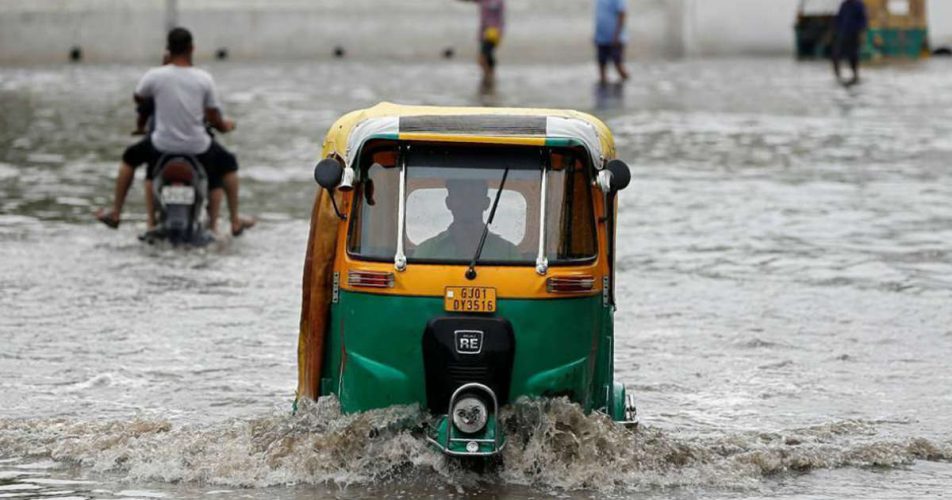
<point x="470" y="414"/>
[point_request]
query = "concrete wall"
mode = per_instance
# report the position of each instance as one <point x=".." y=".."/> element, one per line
<point x="940" y="22"/>
<point x="42" y="31"/>
<point x="37" y="31"/>
<point x="731" y="27"/>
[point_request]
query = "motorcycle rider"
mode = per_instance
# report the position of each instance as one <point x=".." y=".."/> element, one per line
<point x="184" y="99"/>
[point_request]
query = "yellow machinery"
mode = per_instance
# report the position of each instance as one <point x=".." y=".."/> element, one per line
<point x="898" y="29"/>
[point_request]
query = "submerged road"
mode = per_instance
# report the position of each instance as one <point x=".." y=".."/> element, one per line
<point x="785" y="293"/>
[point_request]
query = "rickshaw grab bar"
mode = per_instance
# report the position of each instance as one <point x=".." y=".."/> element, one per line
<point x="400" y="259"/>
<point x="495" y="419"/>
<point x="542" y="264"/>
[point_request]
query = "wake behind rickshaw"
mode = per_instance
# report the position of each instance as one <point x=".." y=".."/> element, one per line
<point x="460" y="259"/>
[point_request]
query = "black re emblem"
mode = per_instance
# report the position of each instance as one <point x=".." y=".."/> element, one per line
<point x="469" y="341"/>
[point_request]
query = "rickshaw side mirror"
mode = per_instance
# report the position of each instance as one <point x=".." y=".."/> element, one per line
<point x="621" y="175"/>
<point x="328" y="173"/>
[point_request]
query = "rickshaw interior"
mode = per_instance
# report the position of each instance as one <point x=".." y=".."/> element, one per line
<point x="447" y="183"/>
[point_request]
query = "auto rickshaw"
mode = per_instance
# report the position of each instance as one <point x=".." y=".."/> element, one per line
<point x="460" y="259"/>
<point x="898" y="29"/>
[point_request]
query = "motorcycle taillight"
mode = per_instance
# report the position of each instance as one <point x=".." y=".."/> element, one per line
<point x="178" y="172"/>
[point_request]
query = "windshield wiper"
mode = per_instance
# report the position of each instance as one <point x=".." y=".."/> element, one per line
<point x="471" y="272"/>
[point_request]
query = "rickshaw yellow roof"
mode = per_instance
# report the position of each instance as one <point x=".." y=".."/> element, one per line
<point x="386" y="116"/>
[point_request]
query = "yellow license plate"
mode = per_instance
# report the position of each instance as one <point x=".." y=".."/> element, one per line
<point x="476" y="299"/>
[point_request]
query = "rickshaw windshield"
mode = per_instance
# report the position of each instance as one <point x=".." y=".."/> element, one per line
<point x="449" y="194"/>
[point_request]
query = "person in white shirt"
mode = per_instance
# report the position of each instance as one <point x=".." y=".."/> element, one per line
<point x="184" y="100"/>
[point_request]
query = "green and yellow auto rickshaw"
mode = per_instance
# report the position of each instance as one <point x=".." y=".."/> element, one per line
<point x="460" y="259"/>
<point x="898" y="29"/>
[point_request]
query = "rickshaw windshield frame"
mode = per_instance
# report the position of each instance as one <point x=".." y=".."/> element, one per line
<point x="415" y="155"/>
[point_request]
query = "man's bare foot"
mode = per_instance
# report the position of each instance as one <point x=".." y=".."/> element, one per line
<point x="239" y="225"/>
<point x="107" y="217"/>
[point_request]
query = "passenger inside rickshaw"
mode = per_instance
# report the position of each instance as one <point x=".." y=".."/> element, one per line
<point x="449" y="196"/>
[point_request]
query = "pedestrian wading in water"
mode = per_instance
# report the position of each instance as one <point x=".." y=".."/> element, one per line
<point x="491" y="22"/>
<point x="610" y="37"/>
<point x="850" y="24"/>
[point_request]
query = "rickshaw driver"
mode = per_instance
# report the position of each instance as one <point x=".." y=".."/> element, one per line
<point x="467" y="199"/>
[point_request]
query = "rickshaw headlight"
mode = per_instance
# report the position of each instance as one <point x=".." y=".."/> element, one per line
<point x="470" y="414"/>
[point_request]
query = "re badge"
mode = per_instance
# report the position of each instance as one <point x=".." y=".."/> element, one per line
<point x="469" y="341"/>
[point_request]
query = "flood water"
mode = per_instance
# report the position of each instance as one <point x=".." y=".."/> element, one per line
<point x="785" y="294"/>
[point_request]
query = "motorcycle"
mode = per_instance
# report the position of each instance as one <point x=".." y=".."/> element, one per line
<point x="180" y="190"/>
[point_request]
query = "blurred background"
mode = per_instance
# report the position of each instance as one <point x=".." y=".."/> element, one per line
<point x="38" y="31"/>
<point x="784" y="252"/>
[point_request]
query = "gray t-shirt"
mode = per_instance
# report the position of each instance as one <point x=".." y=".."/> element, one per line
<point x="182" y="94"/>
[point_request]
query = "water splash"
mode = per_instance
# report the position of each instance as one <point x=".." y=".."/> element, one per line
<point x="552" y="444"/>
<point x="563" y="447"/>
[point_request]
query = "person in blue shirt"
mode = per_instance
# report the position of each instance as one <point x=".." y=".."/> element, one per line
<point x="851" y="21"/>
<point x="610" y="36"/>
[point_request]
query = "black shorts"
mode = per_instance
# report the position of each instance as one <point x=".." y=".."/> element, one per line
<point x="612" y="52"/>
<point x="217" y="160"/>
<point x="488" y="50"/>
<point x="846" y="46"/>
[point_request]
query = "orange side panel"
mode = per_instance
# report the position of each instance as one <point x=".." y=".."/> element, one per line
<point x="316" y="295"/>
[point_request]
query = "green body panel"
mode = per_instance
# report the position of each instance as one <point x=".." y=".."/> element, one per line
<point x="374" y="352"/>
<point x="896" y="43"/>
<point x="438" y="434"/>
<point x="618" y="402"/>
<point x="815" y="38"/>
